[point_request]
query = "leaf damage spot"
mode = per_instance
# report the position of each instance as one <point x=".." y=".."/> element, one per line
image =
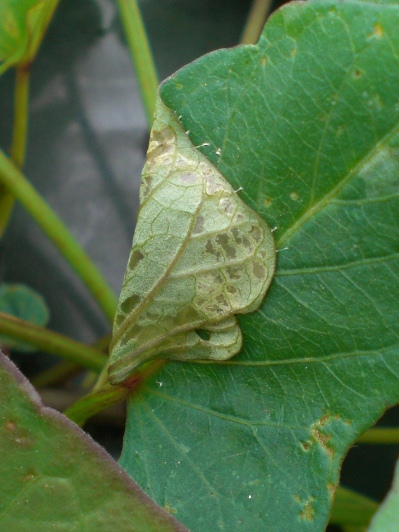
<point x="307" y="513"/>
<point x="203" y="334"/>
<point x="376" y="102"/>
<point x="135" y="258"/>
<point x="267" y="202"/>
<point x="29" y="476"/>
<point x="294" y="196"/>
<point x="18" y="435"/>
<point x="378" y="30"/>
<point x="10" y="426"/>
<point x="189" y="178"/>
<point x="210" y="248"/>
<point x="324" y="441"/>
<point x="170" y="509"/>
<point x="340" y="130"/>
<point x="264" y="60"/>
<point x="258" y="270"/>
<point x="224" y="242"/>
<point x="256" y="233"/>
<point x="320" y="436"/>
<point x="226" y="206"/>
<point x="331" y="488"/>
<point x="213" y="186"/>
<point x="199" y="226"/>
<point x="162" y="144"/>
<point x="130" y="302"/>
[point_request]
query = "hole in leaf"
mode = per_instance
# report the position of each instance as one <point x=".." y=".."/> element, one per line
<point x="203" y="334"/>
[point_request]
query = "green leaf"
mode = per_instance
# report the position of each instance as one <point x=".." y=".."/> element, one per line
<point x="199" y="257"/>
<point x="307" y="123"/>
<point x="352" y="509"/>
<point x="22" y="27"/>
<point x="387" y="517"/>
<point x="51" y="470"/>
<point x="22" y="302"/>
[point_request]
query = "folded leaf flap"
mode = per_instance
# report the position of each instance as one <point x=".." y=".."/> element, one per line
<point x="199" y="256"/>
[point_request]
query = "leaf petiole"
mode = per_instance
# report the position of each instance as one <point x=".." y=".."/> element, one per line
<point x="52" y="342"/>
<point x="141" y="54"/>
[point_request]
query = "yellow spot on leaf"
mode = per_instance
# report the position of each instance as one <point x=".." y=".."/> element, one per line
<point x="268" y="202"/>
<point x="378" y="30"/>
<point x="307" y="513"/>
<point x="294" y="196"/>
<point x="170" y="509"/>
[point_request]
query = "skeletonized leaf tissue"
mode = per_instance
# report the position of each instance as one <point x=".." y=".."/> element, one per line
<point x="200" y="255"/>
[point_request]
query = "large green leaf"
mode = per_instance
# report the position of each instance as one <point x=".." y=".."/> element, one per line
<point x="307" y="123"/>
<point x="22" y="27"/>
<point x="54" y="477"/>
<point x="22" y="302"/>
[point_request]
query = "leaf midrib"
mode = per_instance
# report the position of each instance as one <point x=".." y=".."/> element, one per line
<point x="353" y="172"/>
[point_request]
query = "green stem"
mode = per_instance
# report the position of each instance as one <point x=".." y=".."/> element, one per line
<point x="58" y="373"/>
<point x="140" y="53"/>
<point x="107" y="395"/>
<point x="64" y="370"/>
<point x="19" y="138"/>
<point x="351" y="508"/>
<point x="255" y="21"/>
<point x="52" y="342"/>
<point x="18" y="185"/>
<point x="21" y="110"/>
<point x="385" y="436"/>
<point x="95" y="402"/>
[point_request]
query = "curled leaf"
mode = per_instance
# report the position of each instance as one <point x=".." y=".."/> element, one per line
<point x="200" y="255"/>
<point x="22" y="302"/>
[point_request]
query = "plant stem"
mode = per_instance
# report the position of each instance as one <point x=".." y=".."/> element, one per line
<point x="18" y="185"/>
<point x="255" y="21"/>
<point x="388" y="436"/>
<point x="140" y="53"/>
<point x="60" y="372"/>
<point x="65" y="369"/>
<point x="95" y="402"/>
<point x="21" y="109"/>
<point x="18" y="147"/>
<point x="51" y="342"/>
<point x="107" y="395"/>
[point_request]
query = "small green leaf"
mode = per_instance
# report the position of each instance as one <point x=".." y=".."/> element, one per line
<point x="22" y="302"/>
<point x="351" y="508"/>
<point x="387" y="517"/>
<point x="22" y="27"/>
<point x="199" y="256"/>
<point x="55" y="477"/>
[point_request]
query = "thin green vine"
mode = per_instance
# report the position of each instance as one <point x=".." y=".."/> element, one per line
<point x="19" y="186"/>
<point x="51" y="342"/>
<point x="141" y="54"/>
<point x="18" y="147"/>
<point x="387" y="436"/>
<point x="255" y="21"/>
